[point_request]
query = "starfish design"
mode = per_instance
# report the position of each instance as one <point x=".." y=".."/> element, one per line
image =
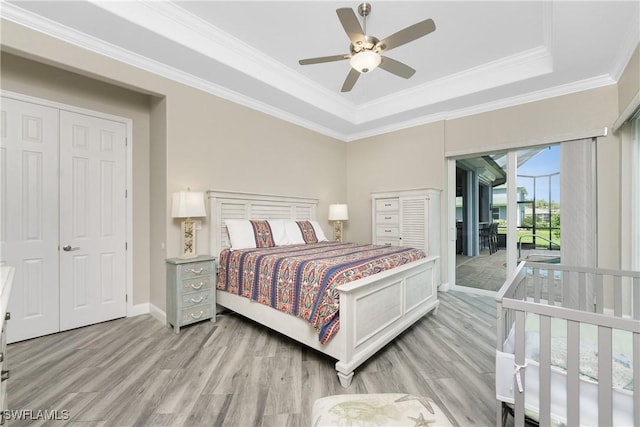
<point x="420" y="421"/>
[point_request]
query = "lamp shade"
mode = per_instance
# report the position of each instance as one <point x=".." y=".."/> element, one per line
<point x="338" y="213"/>
<point x="365" y="61"/>
<point x="188" y="204"/>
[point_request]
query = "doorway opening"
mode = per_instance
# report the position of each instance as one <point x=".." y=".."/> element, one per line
<point x="482" y="214"/>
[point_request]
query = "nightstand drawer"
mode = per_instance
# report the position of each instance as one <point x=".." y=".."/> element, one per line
<point x="189" y="300"/>
<point x="197" y="269"/>
<point x="196" y="284"/>
<point x="387" y="205"/>
<point x="384" y="232"/>
<point x="387" y="218"/>
<point x="195" y="314"/>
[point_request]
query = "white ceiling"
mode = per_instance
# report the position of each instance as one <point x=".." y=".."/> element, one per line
<point x="482" y="56"/>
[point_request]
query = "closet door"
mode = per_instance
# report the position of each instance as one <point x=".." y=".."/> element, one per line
<point x="29" y="215"/>
<point x="92" y="220"/>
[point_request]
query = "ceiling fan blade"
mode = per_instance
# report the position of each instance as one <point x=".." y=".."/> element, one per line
<point x="407" y="35"/>
<point x="396" y="67"/>
<point x="322" y="59"/>
<point x="350" y="81"/>
<point x="351" y="25"/>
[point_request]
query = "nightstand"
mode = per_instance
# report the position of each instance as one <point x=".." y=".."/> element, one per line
<point x="191" y="291"/>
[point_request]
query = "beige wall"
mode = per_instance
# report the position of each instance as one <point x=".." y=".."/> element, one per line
<point x="629" y="83"/>
<point x="410" y="158"/>
<point x="197" y="140"/>
<point x="193" y="139"/>
<point x="415" y="158"/>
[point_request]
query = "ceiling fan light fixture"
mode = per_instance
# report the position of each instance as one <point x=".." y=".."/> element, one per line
<point x="365" y="61"/>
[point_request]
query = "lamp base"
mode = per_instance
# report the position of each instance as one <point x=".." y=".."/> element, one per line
<point x="337" y="231"/>
<point x="188" y="243"/>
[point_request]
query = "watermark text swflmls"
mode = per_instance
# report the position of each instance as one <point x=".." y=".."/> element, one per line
<point x="36" y="415"/>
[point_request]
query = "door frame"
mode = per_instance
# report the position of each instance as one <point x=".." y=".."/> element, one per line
<point x="131" y="310"/>
<point x="511" y="148"/>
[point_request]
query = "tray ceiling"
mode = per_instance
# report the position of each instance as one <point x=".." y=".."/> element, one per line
<point x="482" y="56"/>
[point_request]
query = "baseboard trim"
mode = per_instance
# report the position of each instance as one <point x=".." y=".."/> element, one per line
<point x="138" y="309"/>
<point x="160" y="315"/>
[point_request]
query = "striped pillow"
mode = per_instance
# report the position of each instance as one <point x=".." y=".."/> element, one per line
<point x="308" y="232"/>
<point x="263" y="234"/>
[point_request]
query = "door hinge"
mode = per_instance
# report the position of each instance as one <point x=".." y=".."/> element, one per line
<point x="126" y="298"/>
<point x="126" y="142"/>
<point x="126" y="193"/>
<point x="126" y="246"/>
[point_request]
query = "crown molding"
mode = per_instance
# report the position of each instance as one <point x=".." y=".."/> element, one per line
<point x="531" y="63"/>
<point x="175" y="23"/>
<point x="567" y="89"/>
<point x="56" y="30"/>
<point x="525" y="65"/>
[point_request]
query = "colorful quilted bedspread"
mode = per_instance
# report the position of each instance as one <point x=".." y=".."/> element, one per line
<point x="301" y="280"/>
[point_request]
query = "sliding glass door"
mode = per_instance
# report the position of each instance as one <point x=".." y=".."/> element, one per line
<point x="509" y="206"/>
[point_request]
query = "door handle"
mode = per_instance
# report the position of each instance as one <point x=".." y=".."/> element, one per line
<point x="68" y="248"/>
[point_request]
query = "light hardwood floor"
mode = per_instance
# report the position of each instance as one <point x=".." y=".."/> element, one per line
<point x="237" y="373"/>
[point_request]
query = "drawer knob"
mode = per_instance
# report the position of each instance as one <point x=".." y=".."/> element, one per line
<point x="1" y="357"/>
<point x="387" y="217"/>
<point x="7" y="316"/>
<point x="198" y="286"/>
<point x="197" y="316"/>
<point x="197" y="300"/>
<point x="198" y="271"/>
<point x="387" y="231"/>
<point x="4" y="375"/>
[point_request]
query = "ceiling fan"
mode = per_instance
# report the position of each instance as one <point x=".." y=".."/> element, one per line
<point x="366" y="51"/>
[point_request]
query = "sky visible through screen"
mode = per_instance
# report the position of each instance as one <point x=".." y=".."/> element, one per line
<point x="544" y="163"/>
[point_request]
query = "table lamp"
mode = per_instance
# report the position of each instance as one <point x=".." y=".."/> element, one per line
<point x="188" y="205"/>
<point x="337" y="214"/>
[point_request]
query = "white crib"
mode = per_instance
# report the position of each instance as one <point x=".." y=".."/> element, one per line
<point x="594" y="315"/>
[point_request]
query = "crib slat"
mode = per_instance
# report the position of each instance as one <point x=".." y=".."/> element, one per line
<point x="582" y="291"/>
<point x="617" y="296"/>
<point x="537" y="285"/>
<point x="566" y="290"/>
<point x="551" y="286"/>
<point x="599" y="293"/>
<point x="545" y="371"/>
<point x="519" y="360"/>
<point x="605" y="405"/>
<point x="573" y="365"/>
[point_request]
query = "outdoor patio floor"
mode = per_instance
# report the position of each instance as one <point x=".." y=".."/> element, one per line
<point x="488" y="271"/>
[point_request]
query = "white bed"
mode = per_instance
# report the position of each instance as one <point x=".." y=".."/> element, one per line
<point x="373" y="310"/>
<point x="562" y="357"/>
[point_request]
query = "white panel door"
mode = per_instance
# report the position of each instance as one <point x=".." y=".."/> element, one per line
<point x="29" y="215"/>
<point x="92" y="220"/>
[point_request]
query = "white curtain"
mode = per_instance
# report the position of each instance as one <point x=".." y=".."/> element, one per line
<point x="578" y="196"/>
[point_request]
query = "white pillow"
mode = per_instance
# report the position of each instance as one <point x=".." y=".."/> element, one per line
<point x="319" y="233"/>
<point x="241" y="233"/>
<point x="279" y="232"/>
<point x="294" y="234"/>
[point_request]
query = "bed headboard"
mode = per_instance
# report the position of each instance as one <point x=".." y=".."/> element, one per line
<point x="233" y="205"/>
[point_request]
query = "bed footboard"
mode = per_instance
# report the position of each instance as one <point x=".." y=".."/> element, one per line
<point x="374" y="312"/>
